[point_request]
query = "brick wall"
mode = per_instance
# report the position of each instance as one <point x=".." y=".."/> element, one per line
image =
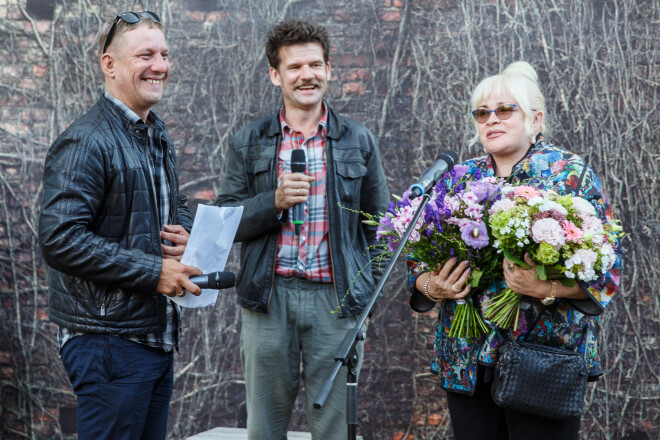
<point x="405" y="68"/>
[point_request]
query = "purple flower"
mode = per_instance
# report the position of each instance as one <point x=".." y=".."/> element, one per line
<point x="475" y="234"/>
<point x="385" y="226"/>
<point x="392" y="243"/>
<point x="480" y="190"/>
<point x="429" y="214"/>
<point x="405" y="201"/>
<point x="440" y="204"/>
<point x="460" y="170"/>
<point x="391" y="208"/>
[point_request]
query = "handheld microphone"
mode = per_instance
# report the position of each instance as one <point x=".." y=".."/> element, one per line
<point x="215" y="280"/>
<point x="298" y="165"/>
<point x="443" y="163"/>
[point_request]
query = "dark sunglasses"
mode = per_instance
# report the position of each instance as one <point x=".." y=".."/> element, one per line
<point x="503" y="112"/>
<point x="130" y="18"/>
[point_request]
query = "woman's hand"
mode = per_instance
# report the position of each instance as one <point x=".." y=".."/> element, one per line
<point x="449" y="282"/>
<point x="524" y="281"/>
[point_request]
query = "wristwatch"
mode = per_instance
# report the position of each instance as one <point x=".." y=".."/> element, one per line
<point x="553" y="295"/>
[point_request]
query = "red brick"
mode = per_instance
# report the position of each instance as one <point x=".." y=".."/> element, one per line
<point x="357" y="74"/>
<point x="39" y="71"/>
<point x="434" y="419"/>
<point x="195" y="15"/>
<point x="353" y="89"/>
<point x="391" y="16"/>
<point x="216" y="16"/>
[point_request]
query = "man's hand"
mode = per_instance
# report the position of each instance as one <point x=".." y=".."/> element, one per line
<point x="175" y="279"/>
<point x="179" y="238"/>
<point x="293" y="189"/>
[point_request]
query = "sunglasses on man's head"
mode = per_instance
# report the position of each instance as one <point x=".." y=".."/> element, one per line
<point x="130" y="18"/>
<point x="503" y="112"/>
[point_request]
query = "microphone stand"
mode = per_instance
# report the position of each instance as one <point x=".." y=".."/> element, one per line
<point x="347" y="354"/>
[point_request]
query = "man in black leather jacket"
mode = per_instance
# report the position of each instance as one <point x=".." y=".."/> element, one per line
<point x="113" y="228"/>
<point x="290" y="281"/>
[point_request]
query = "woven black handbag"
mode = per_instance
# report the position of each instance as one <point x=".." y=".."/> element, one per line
<point x="544" y="381"/>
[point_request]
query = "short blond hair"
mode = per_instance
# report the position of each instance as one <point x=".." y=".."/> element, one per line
<point x="122" y="27"/>
<point x="519" y="81"/>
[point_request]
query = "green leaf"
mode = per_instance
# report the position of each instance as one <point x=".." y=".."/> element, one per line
<point x="541" y="273"/>
<point x="568" y="282"/>
<point x="513" y="259"/>
<point x="475" y="276"/>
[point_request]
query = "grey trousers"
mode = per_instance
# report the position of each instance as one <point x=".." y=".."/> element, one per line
<point x="299" y="325"/>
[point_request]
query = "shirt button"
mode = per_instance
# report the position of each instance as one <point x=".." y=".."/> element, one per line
<point x="303" y="238"/>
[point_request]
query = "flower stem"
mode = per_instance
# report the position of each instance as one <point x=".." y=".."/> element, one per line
<point x="504" y="309"/>
<point x="467" y="321"/>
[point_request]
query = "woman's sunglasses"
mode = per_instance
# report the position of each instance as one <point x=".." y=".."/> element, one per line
<point x="503" y="112"/>
<point x="130" y="18"/>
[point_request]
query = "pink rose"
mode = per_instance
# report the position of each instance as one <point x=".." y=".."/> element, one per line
<point x="550" y="231"/>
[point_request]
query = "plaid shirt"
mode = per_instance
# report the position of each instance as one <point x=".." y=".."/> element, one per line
<point x="169" y="339"/>
<point x="308" y="255"/>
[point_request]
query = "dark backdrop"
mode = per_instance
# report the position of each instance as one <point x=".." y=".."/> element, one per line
<point x="403" y="67"/>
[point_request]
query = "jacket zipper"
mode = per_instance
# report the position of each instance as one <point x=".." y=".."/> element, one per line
<point x="330" y="168"/>
<point x="273" y="173"/>
<point x="169" y="179"/>
<point x="105" y="303"/>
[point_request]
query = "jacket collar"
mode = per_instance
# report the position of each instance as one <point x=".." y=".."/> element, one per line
<point x="539" y="145"/>
<point x="130" y="124"/>
<point x="336" y="127"/>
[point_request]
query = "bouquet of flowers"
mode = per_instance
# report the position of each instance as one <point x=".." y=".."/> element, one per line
<point x="454" y="224"/>
<point x="562" y="234"/>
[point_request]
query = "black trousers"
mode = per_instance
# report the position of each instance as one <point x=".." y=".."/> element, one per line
<point x="479" y="418"/>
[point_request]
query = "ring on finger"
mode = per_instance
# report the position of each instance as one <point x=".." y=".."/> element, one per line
<point x="298" y="191"/>
<point x="454" y="289"/>
<point x="180" y="293"/>
<point x="511" y="267"/>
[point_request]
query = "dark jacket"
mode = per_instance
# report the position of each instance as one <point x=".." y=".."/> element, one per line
<point x="355" y="180"/>
<point x="99" y="228"/>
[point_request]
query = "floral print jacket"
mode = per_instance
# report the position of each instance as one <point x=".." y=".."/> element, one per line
<point x="563" y="324"/>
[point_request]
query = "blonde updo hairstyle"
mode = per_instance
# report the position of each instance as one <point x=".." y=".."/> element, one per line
<point x="519" y="81"/>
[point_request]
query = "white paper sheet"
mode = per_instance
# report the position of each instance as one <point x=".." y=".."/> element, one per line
<point x="208" y="247"/>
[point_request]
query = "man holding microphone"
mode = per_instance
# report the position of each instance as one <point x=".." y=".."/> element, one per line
<point x="301" y="175"/>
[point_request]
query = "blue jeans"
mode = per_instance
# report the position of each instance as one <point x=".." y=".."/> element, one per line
<point x="123" y="388"/>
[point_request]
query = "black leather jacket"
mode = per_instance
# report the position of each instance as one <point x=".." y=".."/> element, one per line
<point x="99" y="225"/>
<point x="355" y="180"/>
